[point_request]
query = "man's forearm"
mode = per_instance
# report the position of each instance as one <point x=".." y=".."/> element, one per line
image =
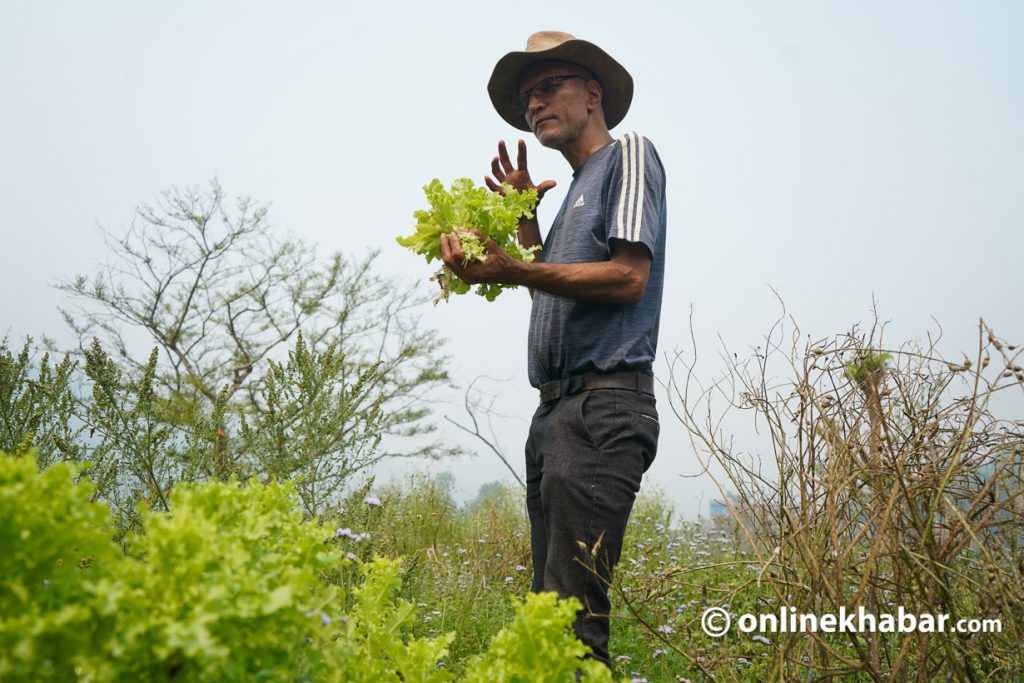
<point x="608" y="281"/>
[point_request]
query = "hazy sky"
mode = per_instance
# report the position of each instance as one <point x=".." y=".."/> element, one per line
<point x="834" y="151"/>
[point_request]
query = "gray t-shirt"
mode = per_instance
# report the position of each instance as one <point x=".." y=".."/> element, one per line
<point x="617" y="193"/>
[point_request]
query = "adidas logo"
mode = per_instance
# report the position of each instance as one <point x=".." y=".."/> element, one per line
<point x="579" y="202"/>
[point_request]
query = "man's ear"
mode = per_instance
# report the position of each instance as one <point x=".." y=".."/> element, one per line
<point x="595" y="95"/>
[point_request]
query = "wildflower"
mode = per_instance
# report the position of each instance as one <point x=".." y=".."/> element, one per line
<point x="427" y="619"/>
<point x="324" y="619"/>
<point x="372" y="500"/>
<point x="623" y="658"/>
<point x="744" y="661"/>
<point x="657" y="653"/>
<point x="348" y="533"/>
<point x="638" y="679"/>
<point x="761" y="639"/>
<point x="508" y="579"/>
<point x="520" y="568"/>
<point x="666" y="629"/>
<point x="351" y="556"/>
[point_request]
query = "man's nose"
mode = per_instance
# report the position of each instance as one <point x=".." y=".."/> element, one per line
<point x="535" y="104"/>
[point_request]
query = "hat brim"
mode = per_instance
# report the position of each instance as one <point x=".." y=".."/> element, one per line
<point x="616" y="83"/>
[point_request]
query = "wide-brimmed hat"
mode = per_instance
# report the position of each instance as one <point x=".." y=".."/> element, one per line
<point x="616" y="83"/>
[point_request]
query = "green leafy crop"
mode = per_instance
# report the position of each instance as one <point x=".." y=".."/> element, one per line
<point x="462" y="208"/>
<point x="230" y="584"/>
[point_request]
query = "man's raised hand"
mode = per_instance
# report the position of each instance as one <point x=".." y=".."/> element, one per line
<point x="519" y="178"/>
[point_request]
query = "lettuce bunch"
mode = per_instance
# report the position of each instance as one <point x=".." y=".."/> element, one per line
<point x="463" y="207"/>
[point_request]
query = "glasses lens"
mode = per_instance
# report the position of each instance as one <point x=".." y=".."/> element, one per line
<point x="521" y="102"/>
<point x="542" y="89"/>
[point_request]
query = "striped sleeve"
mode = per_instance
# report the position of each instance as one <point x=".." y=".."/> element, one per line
<point x="636" y="192"/>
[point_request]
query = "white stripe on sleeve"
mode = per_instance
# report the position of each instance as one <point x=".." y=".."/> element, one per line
<point x="620" y="223"/>
<point x="630" y="216"/>
<point x="639" y="192"/>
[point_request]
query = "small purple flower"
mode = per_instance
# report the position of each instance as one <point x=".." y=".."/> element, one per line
<point x="324" y="619"/>
<point x="351" y="557"/>
<point x="372" y="500"/>
<point x="520" y="568"/>
<point x="761" y="639"/>
<point x="657" y="653"/>
<point x="348" y="533"/>
<point x="666" y="629"/>
<point x="744" y="661"/>
<point x="623" y="658"/>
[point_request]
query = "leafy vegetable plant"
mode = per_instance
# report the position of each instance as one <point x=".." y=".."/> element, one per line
<point x="229" y="584"/>
<point x="460" y="209"/>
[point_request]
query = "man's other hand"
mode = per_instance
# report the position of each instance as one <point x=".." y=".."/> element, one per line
<point x="519" y="178"/>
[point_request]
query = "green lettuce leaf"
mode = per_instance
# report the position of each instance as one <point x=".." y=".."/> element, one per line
<point x="465" y="206"/>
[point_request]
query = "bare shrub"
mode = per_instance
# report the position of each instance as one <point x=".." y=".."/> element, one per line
<point x="889" y="477"/>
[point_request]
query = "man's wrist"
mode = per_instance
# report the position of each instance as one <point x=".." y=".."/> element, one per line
<point x="521" y="273"/>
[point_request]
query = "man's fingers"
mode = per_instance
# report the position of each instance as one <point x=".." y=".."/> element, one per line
<point x="456" y="247"/>
<point x="521" y="157"/>
<point x="446" y="250"/>
<point x="496" y="170"/>
<point x="544" y="187"/>
<point x="506" y="163"/>
<point x="494" y="186"/>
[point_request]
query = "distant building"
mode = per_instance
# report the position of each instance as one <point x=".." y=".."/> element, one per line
<point x="719" y="508"/>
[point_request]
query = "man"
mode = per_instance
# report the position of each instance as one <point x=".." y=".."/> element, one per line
<point x="596" y="289"/>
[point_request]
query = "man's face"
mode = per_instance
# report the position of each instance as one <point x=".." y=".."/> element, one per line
<point x="558" y="112"/>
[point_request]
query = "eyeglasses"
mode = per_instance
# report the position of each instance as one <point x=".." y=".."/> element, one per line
<point x="543" y="89"/>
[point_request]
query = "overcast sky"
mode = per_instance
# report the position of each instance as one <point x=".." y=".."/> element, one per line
<point x="837" y="152"/>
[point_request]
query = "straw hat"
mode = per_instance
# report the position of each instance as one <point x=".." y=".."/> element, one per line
<point x="616" y="83"/>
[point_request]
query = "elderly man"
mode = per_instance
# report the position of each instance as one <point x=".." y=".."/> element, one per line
<point x="596" y="288"/>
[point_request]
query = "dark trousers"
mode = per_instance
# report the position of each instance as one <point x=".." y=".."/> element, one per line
<point x="585" y="456"/>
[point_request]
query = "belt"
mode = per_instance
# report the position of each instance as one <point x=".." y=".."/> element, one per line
<point x="635" y="381"/>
